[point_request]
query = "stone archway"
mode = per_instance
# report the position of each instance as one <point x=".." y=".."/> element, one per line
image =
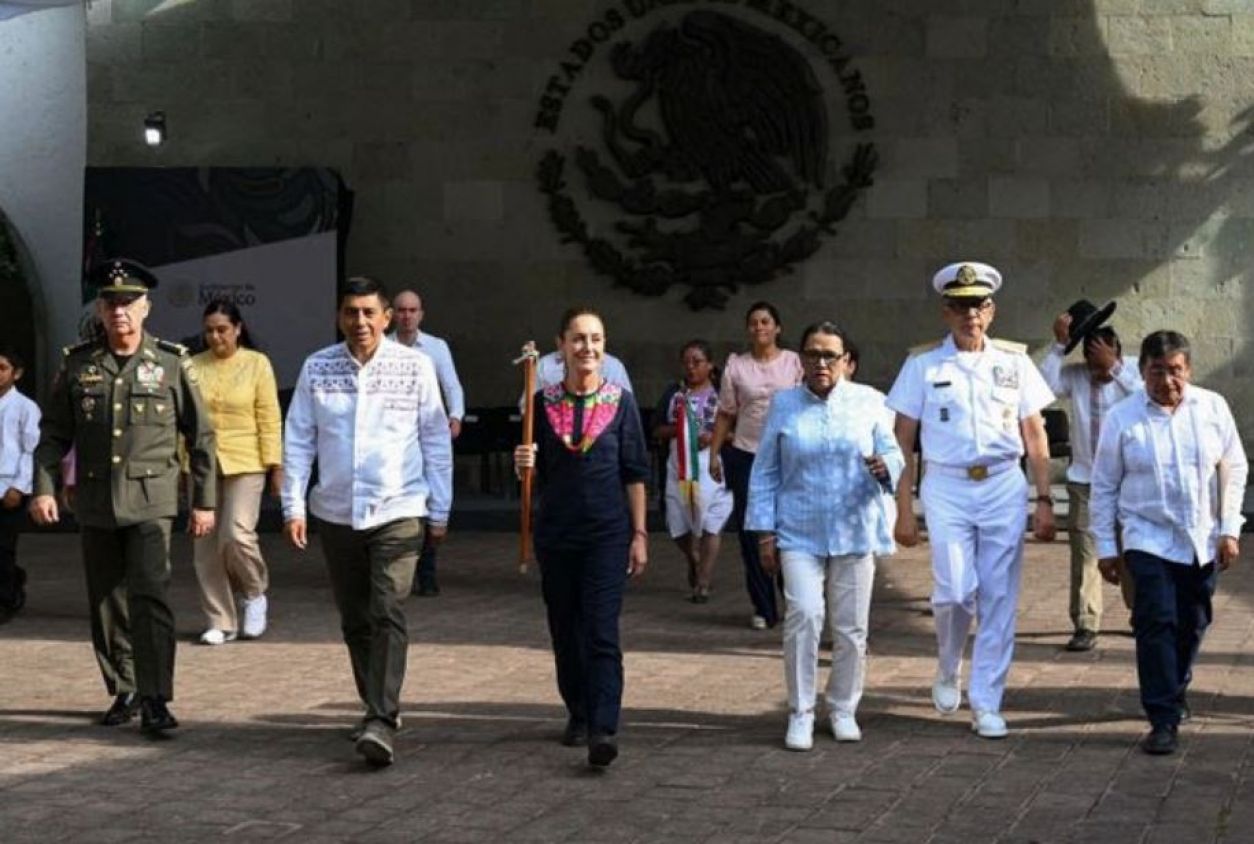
<point x="20" y="314"/>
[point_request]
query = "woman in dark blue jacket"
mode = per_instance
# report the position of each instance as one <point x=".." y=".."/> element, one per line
<point x="590" y="529"/>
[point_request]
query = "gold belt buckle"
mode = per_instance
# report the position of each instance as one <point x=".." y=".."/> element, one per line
<point x="977" y="473"/>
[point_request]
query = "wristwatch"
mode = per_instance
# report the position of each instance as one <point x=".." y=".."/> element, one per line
<point x="1044" y="499"/>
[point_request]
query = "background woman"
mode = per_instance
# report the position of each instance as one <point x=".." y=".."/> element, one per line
<point x="749" y="381"/>
<point x="817" y="498"/>
<point x="697" y="506"/>
<point x="238" y="386"/>
<point x="590" y="528"/>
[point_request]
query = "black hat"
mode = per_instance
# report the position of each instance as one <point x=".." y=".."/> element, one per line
<point x="1085" y="319"/>
<point x="122" y="277"/>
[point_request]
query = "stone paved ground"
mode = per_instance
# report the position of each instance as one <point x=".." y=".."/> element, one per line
<point x="262" y="753"/>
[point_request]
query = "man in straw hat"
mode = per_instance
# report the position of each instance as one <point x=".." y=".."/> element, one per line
<point x="976" y="405"/>
<point x="1094" y="386"/>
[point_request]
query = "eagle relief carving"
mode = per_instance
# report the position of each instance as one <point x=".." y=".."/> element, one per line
<point x="726" y="182"/>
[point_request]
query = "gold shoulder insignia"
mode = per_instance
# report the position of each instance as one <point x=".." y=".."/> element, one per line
<point x="190" y="372"/>
<point x="1010" y="346"/>
<point x="77" y="347"/>
<point x="924" y="347"/>
<point x="174" y="348"/>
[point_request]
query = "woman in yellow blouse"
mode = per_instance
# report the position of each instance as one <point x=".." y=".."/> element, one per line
<point x="239" y="390"/>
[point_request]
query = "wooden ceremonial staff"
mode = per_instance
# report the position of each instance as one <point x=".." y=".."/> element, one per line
<point x="528" y="360"/>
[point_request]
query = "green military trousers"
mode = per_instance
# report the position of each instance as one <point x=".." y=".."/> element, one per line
<point x="132" y="626"/>
<point x="371" y="573"/>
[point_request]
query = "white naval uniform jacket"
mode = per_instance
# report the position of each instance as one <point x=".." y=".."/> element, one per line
<point x="969" y="404"/>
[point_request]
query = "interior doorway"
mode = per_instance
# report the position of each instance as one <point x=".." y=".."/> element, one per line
<point x="20" y="319"/>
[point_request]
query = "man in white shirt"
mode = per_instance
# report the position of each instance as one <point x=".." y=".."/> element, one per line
<point x="369" y="411"/>
<point x="1099" y="383"/>
<point x="19" y="434"/>
<point x="407" y="315"/>
<point x="1168" y="478"/>
<point x="975" y="405"/>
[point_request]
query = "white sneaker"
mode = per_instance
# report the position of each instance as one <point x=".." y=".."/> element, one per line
<point x="757" y="622"/>
<point x="845" y="728"/>
<point x="800" y="731"/>
<point x="214" y="636"/>
<point x="946" y="696"/>
<point x="254" y="617"/>
<point x="988" y="724"/>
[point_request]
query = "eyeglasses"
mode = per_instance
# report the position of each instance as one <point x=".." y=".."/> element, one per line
<point x="963" y="306"/>
<point x="823" y="359"/>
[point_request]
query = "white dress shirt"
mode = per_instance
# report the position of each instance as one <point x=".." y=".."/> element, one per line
<point x="19" y="434"/>
<point x="1157" y="474"/>
<point x="1090" y="402"/>
<point x="445" y="372"/>
<point x="969" y="404"/>
<point x="379" y="434"/>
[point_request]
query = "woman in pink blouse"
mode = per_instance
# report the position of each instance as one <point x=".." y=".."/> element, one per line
<point x="749" y="381"/>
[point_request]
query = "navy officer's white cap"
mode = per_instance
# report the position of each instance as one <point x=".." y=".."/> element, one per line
<point x="967" y="280"/>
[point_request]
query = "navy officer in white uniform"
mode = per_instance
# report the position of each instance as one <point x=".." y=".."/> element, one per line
<point x="976" y="403"/>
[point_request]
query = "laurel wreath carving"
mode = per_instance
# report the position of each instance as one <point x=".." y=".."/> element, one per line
<point x="655" y="279"/>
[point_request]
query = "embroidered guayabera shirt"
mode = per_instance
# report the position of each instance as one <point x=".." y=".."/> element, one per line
<point x="1158" y="475"/>
<point x="445" y="372"/>
<point x="380" y="436"/>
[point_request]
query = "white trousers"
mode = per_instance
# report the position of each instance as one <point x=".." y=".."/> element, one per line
<point x="846" y="583"/>
<point x="976" y="530"/>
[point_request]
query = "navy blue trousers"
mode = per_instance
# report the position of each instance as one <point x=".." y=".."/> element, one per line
<point x="583" y="592"/>
<point x="1171" y="613"/>
<point x="737" y="466"/>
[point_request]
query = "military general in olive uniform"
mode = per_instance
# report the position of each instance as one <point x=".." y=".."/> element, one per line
<point x="122" y="401"/>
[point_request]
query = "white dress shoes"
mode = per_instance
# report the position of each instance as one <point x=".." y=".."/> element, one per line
<point x="214" y="636"/>
<point x="988" y="724"/>
<point x="800" y="731"/>
<point x="845" y="728"/>
<point x="946" y="696"/>
<point x="254" y="617"/>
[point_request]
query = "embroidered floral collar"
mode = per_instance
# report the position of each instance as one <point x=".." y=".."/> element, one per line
<point x="599" y="409"/>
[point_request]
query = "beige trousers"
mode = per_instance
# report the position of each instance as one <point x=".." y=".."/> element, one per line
<point x="1086" y="580"/>
<point x="229" y="560"/>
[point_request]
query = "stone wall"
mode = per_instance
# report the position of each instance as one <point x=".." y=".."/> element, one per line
<point x="1089" y="148"/>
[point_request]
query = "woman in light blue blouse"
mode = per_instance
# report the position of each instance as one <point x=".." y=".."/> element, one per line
<point x="819" y="500"/>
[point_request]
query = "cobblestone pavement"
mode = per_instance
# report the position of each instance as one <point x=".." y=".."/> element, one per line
<point x="262" y="752"/>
